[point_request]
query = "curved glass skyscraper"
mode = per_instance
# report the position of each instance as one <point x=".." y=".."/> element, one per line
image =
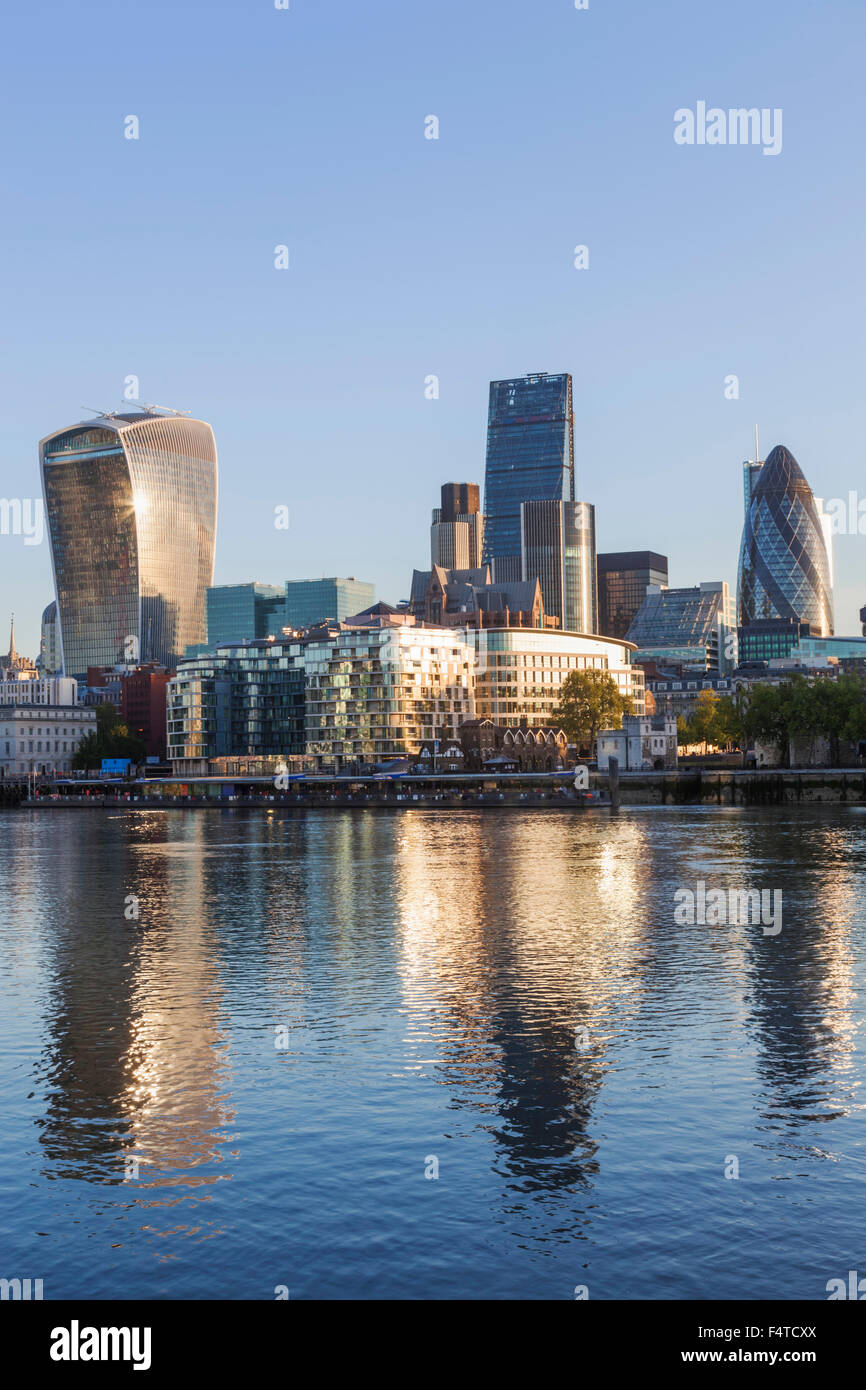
<point x="784" y="569"/>
<point x="131" y="506"/>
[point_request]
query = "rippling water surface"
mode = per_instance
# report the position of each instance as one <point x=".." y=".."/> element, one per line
<point x="245" y="1087"/>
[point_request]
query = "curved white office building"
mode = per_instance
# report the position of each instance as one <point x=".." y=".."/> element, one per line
<point x="131" y="506"/>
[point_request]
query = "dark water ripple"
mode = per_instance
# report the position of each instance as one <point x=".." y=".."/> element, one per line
<point x="243" y="1088"/>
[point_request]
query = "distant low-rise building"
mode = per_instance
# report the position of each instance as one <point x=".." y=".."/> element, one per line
<point x="496" y="747"/>
<point x="41" y="725"/>
<point x="645" y="743"/>
<point x="14" y="666"/>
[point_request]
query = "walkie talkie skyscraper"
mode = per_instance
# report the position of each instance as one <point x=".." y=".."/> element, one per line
<point x="131" y="502"/>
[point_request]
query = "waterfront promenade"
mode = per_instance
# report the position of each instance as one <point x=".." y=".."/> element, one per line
<point x="454" y="792"/>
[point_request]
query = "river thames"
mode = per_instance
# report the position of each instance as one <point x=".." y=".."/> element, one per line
<point x="420" y="1054"/>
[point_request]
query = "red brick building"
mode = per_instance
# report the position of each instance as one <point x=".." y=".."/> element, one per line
<point x="142" y="706"/>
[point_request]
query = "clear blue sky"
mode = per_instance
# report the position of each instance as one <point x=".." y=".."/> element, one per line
<point x="410" y="256"/>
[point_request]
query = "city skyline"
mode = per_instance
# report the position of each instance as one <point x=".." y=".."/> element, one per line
<point x="422" y="260"/>
<point x="751" y="472"/>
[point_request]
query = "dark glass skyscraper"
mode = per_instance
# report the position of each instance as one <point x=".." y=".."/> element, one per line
<point x="784" y="570"/>
<point x="623" y="579"/>
<point x="131" y="506"/>
<point x="530" y="457"/>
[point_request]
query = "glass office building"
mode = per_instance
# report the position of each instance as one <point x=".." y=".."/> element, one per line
<point x="530" y="457"/>
<point x="240" y="612"/>
<point x="242" y="699"/>
<point x="310" y="601"/>
<point x="557" y="545"/>
<point x="771" y="639"/>
<point x="694" y="627"/>
<point x="784" y="571"/>
<point x="623" y="579"/>
<point x="131" y="506"/>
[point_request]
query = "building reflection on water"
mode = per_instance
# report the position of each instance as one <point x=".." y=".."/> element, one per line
<point x="135" y="1065"/>
<point x="524" y="967"/>
<point x="512" y="974"/>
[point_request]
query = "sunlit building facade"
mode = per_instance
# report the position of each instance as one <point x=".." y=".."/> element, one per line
<point x="243" y="699"/>
<point x="372" y="693"/>
<point x="557" y="545"/>
<point x="519" y="673"/>
<point x="693" y="627"/>
<point x="131" y="504"/>
<point x="458" y="528"/>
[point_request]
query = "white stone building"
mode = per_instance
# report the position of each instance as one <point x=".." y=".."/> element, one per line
<point x="41" y="725"/>
<point x="645" y="743"/>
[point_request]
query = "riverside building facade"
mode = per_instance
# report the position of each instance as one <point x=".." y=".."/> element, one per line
<point x="41" y="725"/>
<point x="131" y="505"/>
<point x="367" y="692"/>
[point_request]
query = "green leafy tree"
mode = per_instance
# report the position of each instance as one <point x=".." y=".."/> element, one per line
<point x="702" y="725"/>
<point x="729" y="723"/>
<point x="110" y="739"/>
<point x="590" y="701"/>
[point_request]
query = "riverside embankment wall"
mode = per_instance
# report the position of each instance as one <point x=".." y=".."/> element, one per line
<point x="728" y="787"/>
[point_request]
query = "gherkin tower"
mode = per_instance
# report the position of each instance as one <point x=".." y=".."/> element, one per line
<point x="784" y="570"/>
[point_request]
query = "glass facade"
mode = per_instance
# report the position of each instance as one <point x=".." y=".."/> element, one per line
<point x="840" y="647"/>
<point x="558" y="547"/>
<point x="244" y="699"/>
<point x="692" y="627"/>
<point x="50" y="663"/>
<point x="369" y="694"/>
<point x="623" y="579"/>
<point x="770" y="639"/>
<point x="310" y="601"/>
<point x="379" y="692"/>
<point x="751" y="474"/>
<point x="240" y="612"/>
<point x="530" y="457"/>
<point x="784" y="570"/>
<point x="519" y="672"/>
<point x="131" y="507"/>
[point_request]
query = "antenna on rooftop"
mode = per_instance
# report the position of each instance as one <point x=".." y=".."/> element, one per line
<point x="106" y="414"/>
<point x="167" y="409"/>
